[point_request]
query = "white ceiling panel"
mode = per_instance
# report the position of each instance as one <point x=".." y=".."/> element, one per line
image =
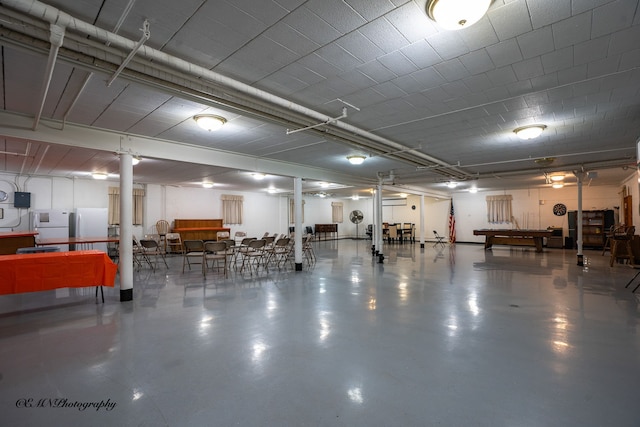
<point x="429" y="104"/>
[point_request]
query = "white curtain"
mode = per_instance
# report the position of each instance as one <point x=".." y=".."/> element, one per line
<point x="232" y="208"/>
<point x="114" y="205"/>
<point x="499" y="209"/>
<point x="292" y="212"/>
<point x="336" y="212"/>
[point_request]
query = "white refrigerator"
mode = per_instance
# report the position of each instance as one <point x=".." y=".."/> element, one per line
<point x="50" y="224"/>
<point x="91" y="222"/>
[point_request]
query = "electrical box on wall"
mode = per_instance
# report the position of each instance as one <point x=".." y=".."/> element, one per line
<point x="21" y="199"/>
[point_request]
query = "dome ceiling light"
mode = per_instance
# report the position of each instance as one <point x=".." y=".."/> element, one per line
<point x="356" y="160"/>
<point x="456" y="14"/>
<point x="529" y="132"/>
<point x="209" y="122"/>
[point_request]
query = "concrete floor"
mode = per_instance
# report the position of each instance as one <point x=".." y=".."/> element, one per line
<point x="456" y="337"/>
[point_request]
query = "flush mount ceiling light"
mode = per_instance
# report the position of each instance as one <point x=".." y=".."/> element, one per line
<point x="209" y="122"/>
<point x="356" y="160"/>
<point x="452" y="184"/>
<point x="207" y="184"/>
<point x="99" y="175"/>
<point x="456" y="14"/>
<point x="545" y="161"/>
<point x="258" y="176"/>
<point x="557" y="185"/>
<point x="556" y="177"/>
<point x="135" y="160"/>
<point x="529" y="132"/>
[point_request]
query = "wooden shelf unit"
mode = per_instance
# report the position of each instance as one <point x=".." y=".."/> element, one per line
<point x="595" y="225"/>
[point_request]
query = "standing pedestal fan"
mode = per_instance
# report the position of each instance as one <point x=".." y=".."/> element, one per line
<point x="356" y="217"/>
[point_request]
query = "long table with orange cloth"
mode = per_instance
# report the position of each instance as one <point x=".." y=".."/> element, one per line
<point x="53" y="270"/>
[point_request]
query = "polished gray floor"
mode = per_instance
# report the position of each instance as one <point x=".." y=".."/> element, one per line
<point x="455" y="337"/>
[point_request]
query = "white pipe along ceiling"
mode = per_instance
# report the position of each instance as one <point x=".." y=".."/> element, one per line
<point x="229" y="91"/>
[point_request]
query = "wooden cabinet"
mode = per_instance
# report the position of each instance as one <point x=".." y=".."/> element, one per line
<point x="595" y="225"/>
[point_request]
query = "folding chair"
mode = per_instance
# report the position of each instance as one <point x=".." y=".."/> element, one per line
<point x="215" y="252"/>
<point x="279" y="252"/>
<point x="307" y="249"/>
<point x="193" y="249"/>
<point x="439" y="239"/>
<point x="254" y="255"/>
<point x="151" y="247"/>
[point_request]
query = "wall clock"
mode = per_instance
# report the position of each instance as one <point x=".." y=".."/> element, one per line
<point x="559" y="209"/>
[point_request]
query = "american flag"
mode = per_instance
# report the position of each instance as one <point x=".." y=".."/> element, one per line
<point x="452" y="224"/>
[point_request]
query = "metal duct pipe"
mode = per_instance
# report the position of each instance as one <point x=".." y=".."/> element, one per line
<point x="48" y="13"/>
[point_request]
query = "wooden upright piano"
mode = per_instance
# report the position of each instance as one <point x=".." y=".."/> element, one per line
<point x="199" y="229"/>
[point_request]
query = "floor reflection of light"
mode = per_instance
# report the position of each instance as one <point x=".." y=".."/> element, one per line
<point x="402" y="291"/>
<point x="560" y="335"/>
<point x="372" y="303"/>
<point x="355" y="394"/>
<point x="355" y="278"/>
<point x="272" y="304"/>
<point x="473" y="305"/>
<point x="205" y="323"/>
<point x="258" y="350"/>
<point x="325" y="325"/>
<point x="452" y="325"/>
<point x="137" y="394"/>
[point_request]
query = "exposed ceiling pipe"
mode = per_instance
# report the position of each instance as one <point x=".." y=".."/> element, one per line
<point x="49" y="13"/>
<point x="145" y="36"/>
<point x="75" y="98"/>
<point x="44" y="154"/>
<point x="24" y="161"/>
<point x="124" y="15"/>
<point x="56" y="35"/>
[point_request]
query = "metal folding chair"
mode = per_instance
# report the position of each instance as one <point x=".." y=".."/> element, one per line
<point x="439" y="239"/>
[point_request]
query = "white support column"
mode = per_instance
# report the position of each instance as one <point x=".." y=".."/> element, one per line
<point x="297" y="207"/>
<point x="422" y="221"/>
<point x="579" y="176"/>
<point x="126" y="227"/>
<point x="374" y="230"/>
<point x="380" y="234"/>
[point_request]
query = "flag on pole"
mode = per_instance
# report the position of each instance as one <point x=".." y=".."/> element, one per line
<point x="452" y="224"/>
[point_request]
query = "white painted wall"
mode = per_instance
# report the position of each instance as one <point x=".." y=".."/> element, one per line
<point x="264" y="212"/>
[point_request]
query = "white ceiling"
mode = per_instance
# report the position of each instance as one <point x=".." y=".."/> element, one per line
<point x="424" y="104"/>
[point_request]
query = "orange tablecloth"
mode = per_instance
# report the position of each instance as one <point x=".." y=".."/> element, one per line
<point x="46" y="271"/>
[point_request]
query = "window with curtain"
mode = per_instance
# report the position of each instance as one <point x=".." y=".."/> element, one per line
<point x="292" y="211"/>
<point x="499" y="209"/>
<point x="336" y="211"/>
<point x="137" y="205"/>
<point x="232" y="208"/>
